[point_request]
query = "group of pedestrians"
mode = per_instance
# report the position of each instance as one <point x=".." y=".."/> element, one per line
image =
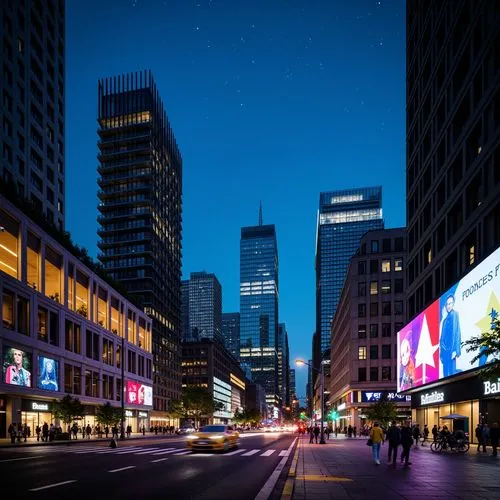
<point x="484" y="435"/>
<point x="395" y="437"/>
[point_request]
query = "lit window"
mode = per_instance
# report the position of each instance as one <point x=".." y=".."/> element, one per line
<point x="362" y="352"/>
<point x="386" y="287"/>
<point x="398" y="264"/>
<point x="373" y="287"/>
<point x="472" y="255"/>
<point x="386" y="266"/>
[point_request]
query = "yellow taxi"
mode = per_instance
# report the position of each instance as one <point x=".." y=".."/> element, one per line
<point x="213" y="437"/>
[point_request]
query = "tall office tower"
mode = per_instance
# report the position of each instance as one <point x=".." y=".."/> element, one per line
<point x="453" y="172"/>
<point x="283" y="365"/>
<point x="185" y="309"/>
<point x="32" y="111"/>
<point x="259" y="307"/>
<point x="344" y="216"/>
<point x="205" y="307"/>
<point x="140" y="182"/>
<point x="231" y="333"/>
<point x="294" y="405"/>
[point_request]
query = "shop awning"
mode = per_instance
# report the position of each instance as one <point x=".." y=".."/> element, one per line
<point x="454" y="416"/>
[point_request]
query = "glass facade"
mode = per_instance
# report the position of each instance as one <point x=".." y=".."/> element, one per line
<point x="231" y="333"/>
<point x="343" y="218"/>
<point x="259" y="306"/>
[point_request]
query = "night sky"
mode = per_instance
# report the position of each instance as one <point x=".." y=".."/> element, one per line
<point x="269" y="100"/>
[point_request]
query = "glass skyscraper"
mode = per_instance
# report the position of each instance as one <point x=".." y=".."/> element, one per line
<point x="231" y="333"/>
<point x="343" y="218"/>
<point x="259" y="307"/>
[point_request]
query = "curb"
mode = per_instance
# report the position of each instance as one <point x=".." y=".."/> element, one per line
<point x="287" y="492"/>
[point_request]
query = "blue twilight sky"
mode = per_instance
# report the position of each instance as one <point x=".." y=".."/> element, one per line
<point x="272" y="100"/>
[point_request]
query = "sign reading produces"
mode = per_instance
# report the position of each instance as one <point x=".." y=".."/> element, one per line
<point x="433" y="397"/>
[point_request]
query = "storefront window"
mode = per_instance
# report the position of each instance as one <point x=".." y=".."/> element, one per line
<point x="82" y="294"/>
<point x="9" y="245"/>
<point x="102" y="308"/>
<point x="33" y="262"/>
<point x="53" y="275"/>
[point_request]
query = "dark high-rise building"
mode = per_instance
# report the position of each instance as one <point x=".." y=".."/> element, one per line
<point x="32" y="110"/>
<point x="140" y="183"/>
<point x="205" y="307"/>
<point x="231" y="333"/>
<point x="344" y="216"/>
<point x="185" y="309"/>
<point x="294" y="404"/>
<point x="283" y="365"/>
<point x="259" y="307"/>
<point x="453" y="168"/>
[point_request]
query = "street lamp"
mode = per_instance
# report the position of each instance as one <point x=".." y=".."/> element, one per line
<point x="301" y="362"/>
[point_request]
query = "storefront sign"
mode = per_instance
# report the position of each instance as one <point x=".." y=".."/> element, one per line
<point x="492" y="387"/>
<point x="341" y="407"/>
<point x="374" y="396"/>
<point x="128" y="413"/>
<point x="143" y="414"/>
<point x="30" y="405"/>
<point x="433" y="397"/>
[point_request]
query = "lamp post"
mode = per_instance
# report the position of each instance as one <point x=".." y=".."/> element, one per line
<point x="301" y="362"/>
<point x="122" y="365"/>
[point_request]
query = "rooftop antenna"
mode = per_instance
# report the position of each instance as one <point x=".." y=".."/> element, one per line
<point x="260" y="214"/>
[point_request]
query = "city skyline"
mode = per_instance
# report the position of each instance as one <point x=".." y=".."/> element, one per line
<point x="352" y="61"/>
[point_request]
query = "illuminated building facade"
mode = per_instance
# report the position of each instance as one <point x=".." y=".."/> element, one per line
<point x="140" y="186"/>
<point x="231" y="333"/>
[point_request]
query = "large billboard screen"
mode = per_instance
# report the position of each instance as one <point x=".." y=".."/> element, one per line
<point x="430" y="346"/>
<point x="139" y="394"/>
<point x="17" y="366"/>
<point x="48" y="374"/>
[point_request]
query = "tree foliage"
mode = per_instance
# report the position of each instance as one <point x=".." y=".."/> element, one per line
<point x="68" y="408"/>
<point x="108" y="415"/>
<point x="383" y="412"/>
<point x="487" y="345"/>
<point x="252" y="417"/>
<point x="195" y="403"/>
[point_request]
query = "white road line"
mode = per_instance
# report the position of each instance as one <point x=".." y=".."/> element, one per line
<point x="100" y="449"/>
<point x="268" y="453"/>
<point x="159" y="460"/>
<point x="123" y="468"/>
<point x="147" y="451"/>
<point x="234" y="452"/>
<point x="15" y="459"/>
<point x="130" y="449"/>
<point x="53" y="485"/>
<point x="284" y="453"/>
<point x="166" y="452"/>
<point x="250" y="453"/>
<point x="182" y="453"/>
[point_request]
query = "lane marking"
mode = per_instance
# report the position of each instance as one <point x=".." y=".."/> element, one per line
<point x="312" y="477"/>
<point x="16" y="459"/>
<point x="122" y="468"/>
<point x="52" y="485"/>
<point x="129" y="450"/>
<point x="166" y="452"/>
<point x="268" y="453"/>
<point x="284" y="453"/>
<point x="147" y="451"/>
<point x="250" y="453"/>
<point x="181" y="453"/>
<point x="234" y="452"/>
<point x="159" y="460"/>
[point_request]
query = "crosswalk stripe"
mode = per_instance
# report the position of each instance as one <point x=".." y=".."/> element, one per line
<point x="129" y="450"/>
<point x="147" y="451"/>
<point x="166" y="452"/>
<point x="182" y="453"/>
<point x="234" y="452"/>
<point x="284" y="453"/>
<point x="250" y="453"/>
<point x="268" y="453"/>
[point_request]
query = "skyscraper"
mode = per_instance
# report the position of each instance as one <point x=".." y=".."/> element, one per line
<point x="205" y="307"/>
<point x="185" y="309"/>
<point x="344" y="216"/>
<point x="32" y="111"/>
<point x="231" y="333"/>
<point x="283" y="365"/>
<point x="140" y="182"/>
<point x="259" y="307"/>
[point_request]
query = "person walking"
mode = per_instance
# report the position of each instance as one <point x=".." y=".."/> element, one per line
<point x="355" y="431"/>
<point x="377" y="438"/>
<point x="416" y="434"/>
<point x="425" y="434"/>
<point x="486" y="436"/>
<point x="479" y="436"/>
<point x="394" y="439"/>
<point x="316" y="433"/>
<point x="406" y="442"/>
<point x="38" y="431"/>
<point x="494" y="437"/>
<point x="311" y="434"/>
<point x="435" y="433"/>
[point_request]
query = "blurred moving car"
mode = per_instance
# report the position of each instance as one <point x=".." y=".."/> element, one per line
<point x="182" y="431"/>
<point x="213" y="437"/>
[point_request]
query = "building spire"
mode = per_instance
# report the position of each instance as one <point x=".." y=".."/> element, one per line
<point x="260" y="214"/>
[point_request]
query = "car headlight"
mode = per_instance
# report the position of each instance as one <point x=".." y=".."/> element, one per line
<point x="191" y="437"/>
<point x="216" y="437"/>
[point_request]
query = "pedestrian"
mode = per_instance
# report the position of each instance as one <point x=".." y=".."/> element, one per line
<point x="434" y="433"/>
<point x="416" y="434"/>
<point x="479" y="436"/>
<point x="316" y="433"/>
<point x="89" y="431"/>
<point x="12" y="433"/>
<point x="406" y="442"/>
<point x="311" y="434"/>
<point x="425" y="434"/>
<point x="38" y="431"/>
<point x="494" y="437"/>
<point x="486" y="436"/>
<point x="349" y="431"/>
<point x="106" y="431"/>
<point x="355" y="431"/>
<point x="394" y="439"/>
<point x="376" y="438"/>
<point x="45" y="432"/>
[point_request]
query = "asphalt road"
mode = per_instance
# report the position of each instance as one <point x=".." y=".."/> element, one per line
<point x="142" y="469"/>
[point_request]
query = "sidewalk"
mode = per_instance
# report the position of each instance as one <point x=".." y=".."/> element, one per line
<point x="343" y="469"/>
<point x="5" y="443"/>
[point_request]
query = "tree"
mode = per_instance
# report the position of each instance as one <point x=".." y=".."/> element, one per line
<point x="254" y="416"/>
<point x="488" y="345"/>
<point x="239" y="417"/>
<point x="195" y="403"/>
<point x="68" y="408"/>
<point x="383" y="412"/>
<point x="108" y="415"/>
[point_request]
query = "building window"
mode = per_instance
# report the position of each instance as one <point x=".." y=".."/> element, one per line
<point x="386" y="308"/>
<point x="8" y="309"/>
<point x="72" y="379"/>
<point x="361" y="310"/>
<point x="386" y="351"/>
<point x="398" y="307"/>
<point x="9" y="245"/>
<point x="374" y="352"/>
<point x="362" y="267"/>
<point x="374" y="309"/>
<point x="107" y="352"/>
<point x="386" y="329"/>
<point x="362" y="352"/>
<point x="23" y="315"/>
<point x="386" y="287"/>
<point x="373" y="287"/>
<point x="399" y="244"/>
<point x="373" y="331"/>
<point x="361" y="331"/>
<point x="374" y="374"/>
<point x="33" y="261"/>
<point x="386" y="266"/>
<point x="398" y="327"/>
<point x="53" y="275"/>
<point x="374" y="246"/>
<point x="92" y="345"/>
<point x="43" y="324"/>
<point x="398" y="264"/>
<point x="386" y="373"/>
<point x="72" y="337"/>
<point x="107" y="387"/>
<point x="373" y="266"/>
<point x="91" y="384"/>
<point x="362" y="289"/>
<point x="362" y="374"/>
<point x="386" y="245"/>
<point x="398" y="286"/>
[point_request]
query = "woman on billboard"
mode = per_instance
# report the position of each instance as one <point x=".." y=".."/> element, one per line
<point x="15" y="373"/>
<point x="450" y="338"/>
<point x="48" y="375"/>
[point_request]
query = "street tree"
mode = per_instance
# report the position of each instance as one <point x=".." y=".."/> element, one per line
<point x="108" y="415"/>
<point x="68" y="408"/>
<point x="383" y="412"/>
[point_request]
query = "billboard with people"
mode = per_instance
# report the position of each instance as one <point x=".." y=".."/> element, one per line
<point x="430" y="346"/>
<point x="17" y="366"/>
<point x="48" y="374"/>
<point x="139" y="394"/>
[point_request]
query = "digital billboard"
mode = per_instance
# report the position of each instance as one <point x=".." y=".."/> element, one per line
<point x="139" y="394"/>
<point x="16" y="366"/>
<point x="430" y="346"/>
<point x="48" y="374"/>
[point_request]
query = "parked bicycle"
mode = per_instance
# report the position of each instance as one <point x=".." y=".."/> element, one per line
<point x="450" y="442"/>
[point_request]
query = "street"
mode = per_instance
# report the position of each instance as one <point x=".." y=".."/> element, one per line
<point x="142" y="469"/>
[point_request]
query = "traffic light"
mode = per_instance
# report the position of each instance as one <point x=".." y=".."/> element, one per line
<point x="302" y="415"/>
<point x="334" y="415"/>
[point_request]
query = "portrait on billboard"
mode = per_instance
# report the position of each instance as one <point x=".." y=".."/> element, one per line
<point x="450" y="338"/>
<point x="139" y="394"/>
<point x="48" y="370"/>
<point x="17" y="367"/>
